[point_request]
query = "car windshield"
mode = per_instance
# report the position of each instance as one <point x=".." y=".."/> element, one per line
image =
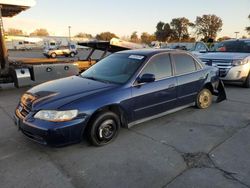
<point x="182" y="46"/>
<point x="116" y="68"/>
<point x="232" y="46"/>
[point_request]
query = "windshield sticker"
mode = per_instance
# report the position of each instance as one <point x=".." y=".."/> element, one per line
<point x="139" y="57"/>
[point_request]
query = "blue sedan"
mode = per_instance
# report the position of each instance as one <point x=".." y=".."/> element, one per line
<point x="123" y="89"/>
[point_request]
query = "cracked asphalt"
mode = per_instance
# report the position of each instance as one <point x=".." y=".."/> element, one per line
<point x="190" y="148"/>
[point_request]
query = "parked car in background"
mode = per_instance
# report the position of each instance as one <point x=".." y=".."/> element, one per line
<point x="67" y="51"/>
<point x="232" y="57"/>
<point x="121" y="90"/>
<point x="196" y="48"/>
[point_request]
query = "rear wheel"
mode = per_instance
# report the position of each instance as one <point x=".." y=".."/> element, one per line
<point x="247" y="82"/>
<point x="204" y="99"/>
<point x="72" y="54"/>
<point x="53" y="55"/>
<point x="104" y="128"/>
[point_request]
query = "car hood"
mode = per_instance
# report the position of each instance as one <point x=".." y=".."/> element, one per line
<point x="224" y="55"/>
<point x="59" y="92"/>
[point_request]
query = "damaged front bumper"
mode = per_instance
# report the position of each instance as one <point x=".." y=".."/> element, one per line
<point x="220" y="92"/>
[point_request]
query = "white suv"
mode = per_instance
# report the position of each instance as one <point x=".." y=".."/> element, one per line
<point x="67" y="51"/>
<point x="232" y="57"/>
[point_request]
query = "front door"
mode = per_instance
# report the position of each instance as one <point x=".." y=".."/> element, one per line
<point x="155" y="97"/>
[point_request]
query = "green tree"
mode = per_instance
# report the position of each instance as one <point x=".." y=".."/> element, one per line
<point x="40" y="32"/>
<point x="180" y="28"/>
<point x="248" y="28"/>
<point x="84" y="35"/>
<point x="163" y="31"/>
<point x="13" y="31"/>
<point x="134" y="37"/>
<point x="107" y="36"/>
<point x="208" y="26"/>
<point x="147" y="38"/>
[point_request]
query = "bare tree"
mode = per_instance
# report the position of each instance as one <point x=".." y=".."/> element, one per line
<point x="84" y="35"/>
<point x="40" y="32"/>
<point x="106" y="36"/>
<point x="13" y="31"/>
<point x="134" y="37"/>
<point x="147" y="38"/>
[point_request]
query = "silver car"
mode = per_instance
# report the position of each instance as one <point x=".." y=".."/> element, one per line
<point x="232" y="57"/>
<point x="67" y="51"/>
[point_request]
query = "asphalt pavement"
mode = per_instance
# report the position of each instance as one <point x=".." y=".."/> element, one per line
<point x="189" y="148"/>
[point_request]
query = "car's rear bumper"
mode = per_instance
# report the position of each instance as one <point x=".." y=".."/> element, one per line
<point x="49" y="133"/>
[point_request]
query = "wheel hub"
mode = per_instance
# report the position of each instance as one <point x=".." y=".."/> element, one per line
<point x="107" y="130"/>
<point x="204" y="99"/>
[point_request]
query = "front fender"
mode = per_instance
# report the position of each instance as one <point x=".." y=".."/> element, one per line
<point x="215" y="84"/>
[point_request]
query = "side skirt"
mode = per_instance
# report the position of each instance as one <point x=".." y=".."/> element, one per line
<point x="159" y="115"/>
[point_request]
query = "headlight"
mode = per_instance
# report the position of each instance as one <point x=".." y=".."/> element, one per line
<point x="239" y="62"/>
<point x="56" y="116"/>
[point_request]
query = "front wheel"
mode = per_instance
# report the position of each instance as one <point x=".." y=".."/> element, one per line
<point x="104" y="128"/>
<point x="204" y="99"/>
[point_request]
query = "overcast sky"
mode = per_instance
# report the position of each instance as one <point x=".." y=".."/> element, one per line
<point x="125" y="16"/>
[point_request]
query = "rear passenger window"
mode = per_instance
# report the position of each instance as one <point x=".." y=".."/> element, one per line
<point x="184" y="64"/>
<point x="160" y="66"/>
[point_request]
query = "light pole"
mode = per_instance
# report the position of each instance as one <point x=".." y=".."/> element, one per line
<point x="69" y="33"/>
<point x="236" y="34"/>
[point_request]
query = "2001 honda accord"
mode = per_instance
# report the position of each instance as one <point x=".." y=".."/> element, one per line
<point x="121" y="90"/>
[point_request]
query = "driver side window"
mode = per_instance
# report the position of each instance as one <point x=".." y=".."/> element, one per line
<point x="160" y="66"/>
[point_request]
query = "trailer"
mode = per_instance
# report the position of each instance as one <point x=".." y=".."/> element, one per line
<point x="104" y="48"/>
<point x="23" y="72"/>
<point x="27" y="72"/>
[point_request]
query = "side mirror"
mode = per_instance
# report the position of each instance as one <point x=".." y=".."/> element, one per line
<point x="146" y="78"/>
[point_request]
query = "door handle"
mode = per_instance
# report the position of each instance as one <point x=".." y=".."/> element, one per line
<point x="171" y="86"/>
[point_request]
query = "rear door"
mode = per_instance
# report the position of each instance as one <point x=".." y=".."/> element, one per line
<point x="158" y="96"/>
<point x="190" y="77"/>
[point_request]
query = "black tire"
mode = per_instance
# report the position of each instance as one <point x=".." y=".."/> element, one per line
<point x="53" y="55"/>
<point x="104" y="128"/>
<point x="72" y="54"/>
<point x="204" y="99"/>
<point x="247" y="82"/>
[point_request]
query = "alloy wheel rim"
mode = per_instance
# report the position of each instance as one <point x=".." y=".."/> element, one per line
<point x="204" y="99"/>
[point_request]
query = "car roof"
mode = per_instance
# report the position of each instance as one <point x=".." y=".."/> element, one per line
<point x="248" y="39"/>
<point x="148" y="52"/>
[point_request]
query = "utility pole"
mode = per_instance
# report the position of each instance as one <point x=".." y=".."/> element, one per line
<point x="3" y="49"/>
<point x="236" y="34"/>
<point x="69" y="33"/>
